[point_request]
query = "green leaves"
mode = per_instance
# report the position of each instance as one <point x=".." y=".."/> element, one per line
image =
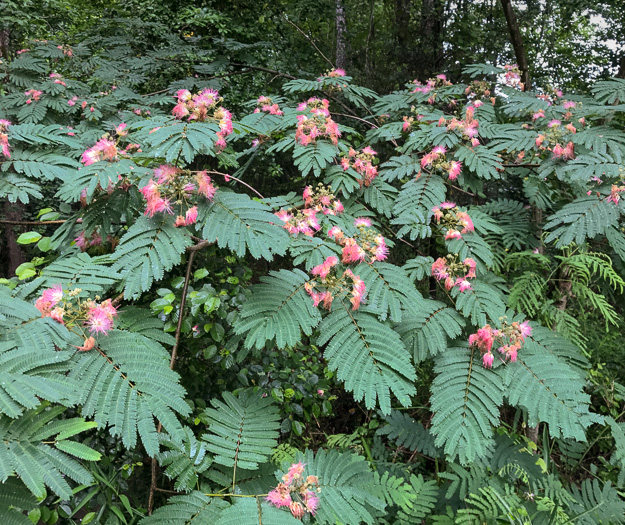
<point x="149" y="247"/>
<point x="28" y="449"/>
<point x="125" y="383"/>
<point x="465" y="400"/>
<point x="278" y="308"/>
<point x="243" y="431"/>
<point x="241" y="224"/>
<point x="368" y="356"/>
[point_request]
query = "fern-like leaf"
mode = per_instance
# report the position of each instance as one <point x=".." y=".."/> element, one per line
<point x="409" y="433"/>
<point x="465" y="400"/>
<point x="243" y="430"/>
<point x="126" y="382"/>
<point x="239" y="223"/>
<point x="368" y="356"/>
<point x="278" y="308"/>
<point x="195" y="508"/>
<point x="147" y="250"/>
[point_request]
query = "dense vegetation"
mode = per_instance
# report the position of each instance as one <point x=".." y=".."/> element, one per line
<point x="247" y="283"/>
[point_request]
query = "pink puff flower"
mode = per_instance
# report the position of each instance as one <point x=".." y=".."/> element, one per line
<point x="53" y="295"/>
<point x="488" y="359"/>
<point x="452" y="235"/>
<point x="455" y="168"/>
<point x="362" y="221"/>
<point x="525" y="329"/>
<point x="191" y="216"/>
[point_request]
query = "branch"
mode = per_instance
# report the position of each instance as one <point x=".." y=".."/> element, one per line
<point x="309" y="39"/>
<point x="174" y="353"/>
<point x="31" y="223"/>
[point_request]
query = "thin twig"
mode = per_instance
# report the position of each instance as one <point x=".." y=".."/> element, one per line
<point x="309" y="39"/>
<point x="174" y="353"/>
<point x="226" y="176"/>
<point x="31" y="223"/>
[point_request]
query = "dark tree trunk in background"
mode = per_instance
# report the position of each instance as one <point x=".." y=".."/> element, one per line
<point x="4" y="43"/>
<point x="517" y="43"/>
<point x="404" y="40"/>
<point x="341" y="26"/>
<point x="621" y="68"/>
<point x="14" y="256"/>
<point x="430" y="56"/>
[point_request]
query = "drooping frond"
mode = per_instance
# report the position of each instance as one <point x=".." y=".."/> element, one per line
<point x="426" y="495"/>
<point x="465" y="400"/>
<point x="147" y="250"/>
<point x="487" y="505"/>
<point x="397" y="168"/>
<point x="184" y="461"/>
<point x="348" y="489"/>
<point x="29" y="449"/>
<point x="481" y="303"/>
<point x="243" y="430"/>
<point x="414" y="204"/>
<point x="409" y="433"/>
<point x="368" y="356"/>
<point x="426" y="328"/>
<point x="380" y="196"/>
<point x="16" y="188"/>
<point x="609" y="91"/>
<point x="255" y="511"/>
<point x="473" y="246"/>
<point x="389" y="290"/>
<point x="418" y="267"/>
<point x="195" y="508"/>
<point x="583" y="218"/>
<point x="480" y="160"/>
<point x="99" y="175"/>
<point x="90" y="274"/>
<point x="139" y="321"/>
<point x="595" y="504"/>
<point x="550" y="390"/>
<point x="314" y="157"/>
<point x="236" y="222"/>
<point x="278" y="308"/>
<point x="125" y="382"/>
<point x="14" y="499"/>
<point x="311" y="251"/>
<point x="33" y="358"/>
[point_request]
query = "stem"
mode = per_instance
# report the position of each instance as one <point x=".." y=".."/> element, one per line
<point x="238" y="180"/>
<point x="174" y="353"/>
<point x="31" y="223"/>
<point x="310" y="40"/>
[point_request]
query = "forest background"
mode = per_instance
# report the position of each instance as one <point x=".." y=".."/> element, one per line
<point x="194" y="361"/>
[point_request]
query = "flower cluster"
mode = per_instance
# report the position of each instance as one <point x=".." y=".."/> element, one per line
<point x="437" y="160"/>
<point x="319" y="125"/>
<point x="305" y="221"/>
<point x="366" y="243"/>
<point x="335" y="73"/>
<point x="60" y="305"/>
<point x="296" y="492"/>
<point x="4" y="137"/>
<point x="32" y="94"/>
<point x="58" y="79"/>
<point x="322" y="199"/>
<point x="454" y="221"/>
<point x="614" y="193"/>
<point x="267" y="105"/>
<point x="104" y="149"/>
<point x="204" y="106"/>
<point x="331" y="286"/>
<point x="362" y="162"/>
<point x="433" y="83"/>
<point x="510" y="338"/>
<point x="467" y="127"/>
<point x="478" y="89"/>
<point x="512" y="77"/>
<point x="555" y="134"/>
<point x="454" y="273"/>
<point x="175" y="187"/>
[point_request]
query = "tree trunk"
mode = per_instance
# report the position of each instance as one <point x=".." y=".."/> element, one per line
<point x="431" y="42"/>
<point x="621" y="69"/>
<point x="402" y="36"/>
<point x="517" y="43"/>
<point x="341" y="47"/>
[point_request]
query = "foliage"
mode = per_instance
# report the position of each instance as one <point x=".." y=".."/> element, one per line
<point x="272" y="314"/>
